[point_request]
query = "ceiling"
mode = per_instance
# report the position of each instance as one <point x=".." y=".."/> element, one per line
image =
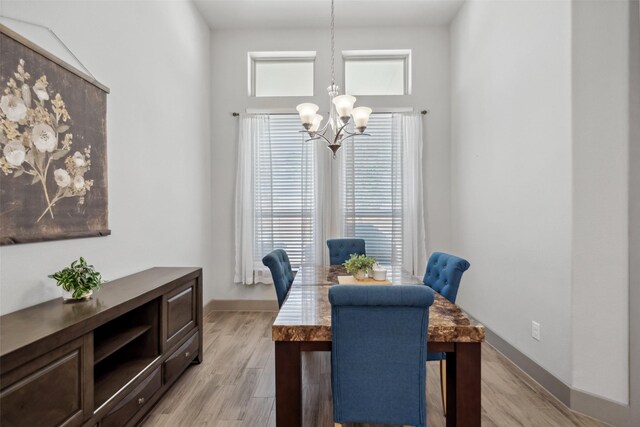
<point x="274" y="14"/>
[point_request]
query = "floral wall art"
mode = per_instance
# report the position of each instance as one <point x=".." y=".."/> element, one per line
<point x="53" y="159"/>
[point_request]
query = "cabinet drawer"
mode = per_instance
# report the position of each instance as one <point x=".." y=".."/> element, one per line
<point x="180" y="359"/>
<point x="179" y="313"/>
<point x="50" y="387"/>
<point x="133" y="402"/>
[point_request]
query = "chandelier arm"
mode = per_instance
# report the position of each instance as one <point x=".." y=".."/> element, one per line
<point x="355" y="134"/>
<point x="319" y="136"/>
<point x="339" y="132"/>
<point x="352" y="133"/>
<point x="324" y="128"/>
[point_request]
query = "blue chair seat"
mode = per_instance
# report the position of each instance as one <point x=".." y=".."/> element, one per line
<point x="436" y="356"/>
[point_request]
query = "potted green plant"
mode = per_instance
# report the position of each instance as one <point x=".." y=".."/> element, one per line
<point x="359" y="265"/>
<point x="78" y="280"/>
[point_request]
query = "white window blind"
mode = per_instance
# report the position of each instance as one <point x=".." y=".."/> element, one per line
<point x="372" y="193"/>
<point x="285" y="198"/>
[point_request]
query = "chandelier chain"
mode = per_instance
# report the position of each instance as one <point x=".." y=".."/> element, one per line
<point x="333" y="76"/>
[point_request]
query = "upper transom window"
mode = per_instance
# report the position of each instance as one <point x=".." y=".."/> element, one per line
<point x="377" y="72"/>
<point x="281" y="73"/>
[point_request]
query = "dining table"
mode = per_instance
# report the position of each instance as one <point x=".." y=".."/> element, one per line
<point x="303" y="324"/>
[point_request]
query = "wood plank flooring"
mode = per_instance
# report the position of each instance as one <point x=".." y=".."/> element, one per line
<point x="234" y="386"/>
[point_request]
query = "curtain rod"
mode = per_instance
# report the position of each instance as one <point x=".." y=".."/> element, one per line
<point x="234" y="114"/>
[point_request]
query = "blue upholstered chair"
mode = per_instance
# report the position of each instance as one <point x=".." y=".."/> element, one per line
<point x="341" y="249"/>
<point x="379" y="353"/>
<point x="443" y="275"/>
<point x="278" y="263"/>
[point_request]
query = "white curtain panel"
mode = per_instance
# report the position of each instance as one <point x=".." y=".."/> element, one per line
<point x="279" y="196"/>
<point x="252" y="129"/>
<point x="408" y="126"/>
<point x="379" y="193"/>
<point x="312" y="177"/>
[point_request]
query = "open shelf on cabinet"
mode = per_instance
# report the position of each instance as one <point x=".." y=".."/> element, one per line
<point x="115" y="342"/>
<point x="123" y="348"/>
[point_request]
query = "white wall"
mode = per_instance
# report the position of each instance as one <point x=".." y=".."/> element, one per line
<point x="600" y="293"/>
<point x="634" y="212"/>
<point x="154" y="56"/>
<point x="540" y="181"/>
<point x="229" y="49"/>
<point x="511" y="171"/>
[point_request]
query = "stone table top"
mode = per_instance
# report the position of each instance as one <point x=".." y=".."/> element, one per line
<point x="306" y="313"/>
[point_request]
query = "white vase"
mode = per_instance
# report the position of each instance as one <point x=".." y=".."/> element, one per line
<point x="379" y="274"/>
<point x="67" y="296"/>
<point x="361" y="275"/>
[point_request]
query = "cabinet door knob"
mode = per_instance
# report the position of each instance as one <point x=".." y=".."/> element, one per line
<point x="186" y="354"/>
<point x="141" y="401"/>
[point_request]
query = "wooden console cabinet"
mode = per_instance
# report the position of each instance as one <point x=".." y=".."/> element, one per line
<point x="103" y="362"/>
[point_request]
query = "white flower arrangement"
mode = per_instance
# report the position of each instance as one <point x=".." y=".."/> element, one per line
<point x="13" y="107"/>
<point x="34" y="136"/>
<point x="40" y="89"/>
<point x="62" y="178"/>
<point x="44" y="138"/>
<point x="15" y="153"/>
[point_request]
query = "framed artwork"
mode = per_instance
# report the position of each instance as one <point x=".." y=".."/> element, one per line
<point x="53" y="147"/>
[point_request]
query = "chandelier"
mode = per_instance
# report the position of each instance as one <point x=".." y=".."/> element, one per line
<point x="341" y="111"/>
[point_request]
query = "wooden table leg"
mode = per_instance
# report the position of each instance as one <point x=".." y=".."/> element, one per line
<point x="288" y="384"/>
<point x="463" y="386"/>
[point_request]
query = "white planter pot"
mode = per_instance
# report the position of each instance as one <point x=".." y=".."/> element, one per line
<point x="380" y="274"/>
<point x="361" y="275"/>
<point x="67" y="296"/>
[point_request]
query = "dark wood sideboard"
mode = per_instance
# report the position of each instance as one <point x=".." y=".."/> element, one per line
<point x="105" y="361"/>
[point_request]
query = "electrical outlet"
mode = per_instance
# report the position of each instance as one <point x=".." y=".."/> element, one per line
<point x="535" y="330"/>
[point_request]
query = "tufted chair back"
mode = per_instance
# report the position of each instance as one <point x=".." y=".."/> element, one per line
<point x="443" y="274"/>
<point x="378" y="358"/>
<point x="341" y="249"/>
<point x="278" y="263"/>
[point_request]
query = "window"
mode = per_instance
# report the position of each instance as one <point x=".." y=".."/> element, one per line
<point x="281" y="73"/>
<point x="377" y="72"/>
<point x="285" y="197"/>
<point x="372" y="193"/>
<point x="291" y="195"/>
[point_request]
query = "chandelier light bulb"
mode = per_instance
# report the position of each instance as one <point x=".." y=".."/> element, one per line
<point x="315" y="125"/>
<point x="361" y="117"/>
<point x="307" y="113"/>
<point x="344" y="105"/>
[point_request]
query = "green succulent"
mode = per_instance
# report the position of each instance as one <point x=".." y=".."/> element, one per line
<point x="359" y="262"/>
<point x="79" y="278"/>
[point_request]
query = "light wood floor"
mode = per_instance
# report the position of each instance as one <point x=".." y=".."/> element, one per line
<point x="234" y="386"/>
